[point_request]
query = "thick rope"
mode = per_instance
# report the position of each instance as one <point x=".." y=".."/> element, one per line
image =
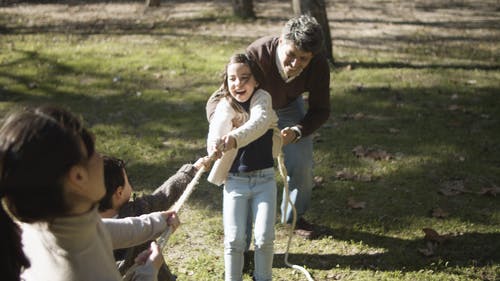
<point x="284" y="175"/>
<point x="162" y="240"/>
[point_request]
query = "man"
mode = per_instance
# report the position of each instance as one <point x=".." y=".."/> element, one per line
<point x="293" y="64"/>
<point x="116" y="204"/>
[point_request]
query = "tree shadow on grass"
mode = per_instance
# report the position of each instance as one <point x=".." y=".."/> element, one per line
<point x="467" y="249"/>
<point x="406" y="65"/>
<point x="117" y="105"/>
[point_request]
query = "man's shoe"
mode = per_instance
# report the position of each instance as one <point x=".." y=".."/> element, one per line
<point x="304" y="229"/>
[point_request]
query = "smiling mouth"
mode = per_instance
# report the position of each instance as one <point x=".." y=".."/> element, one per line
<point x="241" y="92"/>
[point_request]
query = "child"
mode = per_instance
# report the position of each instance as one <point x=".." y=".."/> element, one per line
<point x="51" y="179"/>
<point x="244" y="130"/>
<point x="116" y="203"/>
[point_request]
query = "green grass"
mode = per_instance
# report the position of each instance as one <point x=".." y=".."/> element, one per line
<point x="431" y="103"/>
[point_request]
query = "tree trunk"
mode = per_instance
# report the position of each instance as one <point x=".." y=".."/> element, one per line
<point x="243" y="9"/>
<point x="153" y="3"/>
<point x="317" y="9"/>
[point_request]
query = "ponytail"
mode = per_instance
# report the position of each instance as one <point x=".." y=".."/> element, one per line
<point x="12" y="257"/>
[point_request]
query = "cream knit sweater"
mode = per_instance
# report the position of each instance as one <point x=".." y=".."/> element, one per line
<point x="262" y="117"/>
<point x="79" y="248"/>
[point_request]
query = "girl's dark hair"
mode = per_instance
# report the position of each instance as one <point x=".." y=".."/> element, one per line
<point x="37" y="149"/>
<point x="254" y="68"/>
<point x="114" y="177"/>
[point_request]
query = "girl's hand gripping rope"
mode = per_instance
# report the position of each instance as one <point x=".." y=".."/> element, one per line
<point x="222" y="145"/>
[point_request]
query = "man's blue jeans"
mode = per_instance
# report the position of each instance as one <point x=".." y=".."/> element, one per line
<point x="253" y="193"/>
<point x="298" y="161"/>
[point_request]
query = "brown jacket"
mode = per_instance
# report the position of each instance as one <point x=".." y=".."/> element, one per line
<point x="161" y="199"/>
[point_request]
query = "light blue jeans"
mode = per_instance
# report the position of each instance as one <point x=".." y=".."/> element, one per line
<point x="248" y="193"/>
<point x="298" y="161"/>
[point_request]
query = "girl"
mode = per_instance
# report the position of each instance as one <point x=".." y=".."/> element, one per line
<point x="243" y="130"/>
<point x="51" y="179"/>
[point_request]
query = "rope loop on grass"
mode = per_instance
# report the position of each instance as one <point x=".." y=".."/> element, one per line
<point x="284" y="175"/>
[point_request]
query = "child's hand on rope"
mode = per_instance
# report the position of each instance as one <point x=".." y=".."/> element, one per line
<point x="222" y="145"/>
<point x="205" y="162"/>
<point x="229" y="142"/>
<point x="172" y="219"/>
<point x="215" y="149"/>
<point x="152" y="255"/>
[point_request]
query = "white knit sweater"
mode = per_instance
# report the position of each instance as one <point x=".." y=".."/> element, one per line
<point x="79" y="248"/>
<point x="262" y="118"/>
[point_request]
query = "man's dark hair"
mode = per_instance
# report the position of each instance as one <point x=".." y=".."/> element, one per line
<point x="114" y="177"/>
<point x="305" y="33"/>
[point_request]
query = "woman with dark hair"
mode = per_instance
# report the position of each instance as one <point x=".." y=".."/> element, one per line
<point x="51" y="179"/>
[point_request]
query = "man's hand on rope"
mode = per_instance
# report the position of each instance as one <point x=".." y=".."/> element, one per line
<point x="290" y="135"/>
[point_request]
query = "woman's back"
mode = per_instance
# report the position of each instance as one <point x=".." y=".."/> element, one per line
<point x="69" y="249"/>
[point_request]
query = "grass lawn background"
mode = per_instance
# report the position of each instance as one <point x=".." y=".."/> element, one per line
<point x="413" y="141"/>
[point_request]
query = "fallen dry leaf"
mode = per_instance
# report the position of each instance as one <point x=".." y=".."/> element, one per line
<point x="429" y="250"/>
<point x="375" y="154"/>
<point x="364" y="178"/>
<point x="318" y="181"/>
<point x="335" y="276"/>
<point x="432" y="235"/>
<point x="32" y="85"/>
<point x="353" y="204"/>
<point x="492" y="191"/>
<point x="359" y="151"/>
<point x="378" y="155"/>
<point x="439" y="213"/>
<point x="454" y="107"/>
<point x="358" y="116"/>
<point x="393" y="130"/>
<point x="449" y="192"/>
<point x="452" y="188"/>
<point x="346" y="175"/>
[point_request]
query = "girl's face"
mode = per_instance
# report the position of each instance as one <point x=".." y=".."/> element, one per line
<point x="240" y="81"/>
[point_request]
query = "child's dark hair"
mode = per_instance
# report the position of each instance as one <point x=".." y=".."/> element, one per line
<point x="114" y="177"/>
<point x="37" y="149"/>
